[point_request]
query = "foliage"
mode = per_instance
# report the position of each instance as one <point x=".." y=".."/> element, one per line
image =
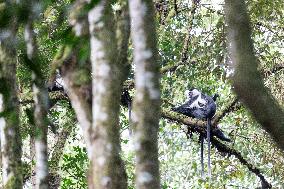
<point x="207" y="68"/>
<point x="74" y="168"/>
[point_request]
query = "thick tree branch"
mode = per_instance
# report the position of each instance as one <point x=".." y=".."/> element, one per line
<point x="122" y="37"/>
<point x="195" y="125"/>
<point x="184" y="57"/>
<point x="78" y="17"/>
<point x="247" y="80"/>
<point x="11" y="146"/>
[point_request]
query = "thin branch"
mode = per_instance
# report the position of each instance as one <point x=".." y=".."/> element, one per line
<point x="200" y="127"/>
<point x="232" y="152"/>
<point x="233" y="106"/>
<point x="172" y="68"/>
<point x="176" y="7"/>
<point x="275" y="69"/>
<point x="184" y="56"/>
<point x="212" y="10"/>
<point x="54" y="97"/>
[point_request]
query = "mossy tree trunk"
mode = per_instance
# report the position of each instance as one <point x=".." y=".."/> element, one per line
<point x="146" y="108"/>
<point x="247" y="80"/>
<point x="41" y="101"/>
<point x="108" y="75"/>
<point x="11" y="147"/>
<point x="40" y="95"/>
<point x="98" y="115"/>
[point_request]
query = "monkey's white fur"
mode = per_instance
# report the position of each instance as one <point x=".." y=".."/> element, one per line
<point x="198" y="101"/>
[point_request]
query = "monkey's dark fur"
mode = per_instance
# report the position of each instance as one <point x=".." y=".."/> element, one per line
<point x="201" y="106"/>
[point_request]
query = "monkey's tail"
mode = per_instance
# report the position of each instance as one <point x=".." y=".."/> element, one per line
<point x="202" y="155"/>
<point x="209" y="146"/>
<point x="129" y="118"/>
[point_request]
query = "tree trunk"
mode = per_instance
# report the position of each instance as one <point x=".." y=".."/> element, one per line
<point x="107" y="167"/>
<point x="146" y="108"/>
<point x="11" y="147"/>
<point x="40" y="95"/>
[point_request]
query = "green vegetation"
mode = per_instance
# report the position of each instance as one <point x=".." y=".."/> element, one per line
<point x="193" y="52"/>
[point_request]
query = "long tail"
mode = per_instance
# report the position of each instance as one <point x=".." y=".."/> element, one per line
<point x="129" y="118"/>
<point x="201" y="154"/>
<point x="208" y="139"/>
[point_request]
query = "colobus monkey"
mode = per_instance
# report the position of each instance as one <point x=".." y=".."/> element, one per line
<point x="200" y="106"/>
<point x="56" y="83"/>
<point x="126" y="101"/>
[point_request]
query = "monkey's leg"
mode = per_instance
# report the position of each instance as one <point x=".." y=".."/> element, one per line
<point x="208" y="139"/>
<point x="201" y="155"/>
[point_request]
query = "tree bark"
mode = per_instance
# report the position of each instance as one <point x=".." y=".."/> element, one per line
<point x="247" y="80"/>
<point x="106" y="164"/>
<point x="57" y="152"/>
<point x="146" y="108"/>
<point x="11" y="146"/>
<point x="41" y="100"/>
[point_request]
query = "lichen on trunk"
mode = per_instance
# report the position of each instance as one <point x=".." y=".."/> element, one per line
<point x="11" y="147"/>
<point x="41" y="100"/>
<point x="146" y="108"/>
<point x="107" y="166"/>
<point x="247" y="80"/>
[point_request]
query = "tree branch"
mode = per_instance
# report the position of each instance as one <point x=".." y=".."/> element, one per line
<point x="199" y="127"/>
<point x="233" y="106"/>
<point x="247" y="80"/>
<point x="275" y="69"/>
<point x="230" y="151"/>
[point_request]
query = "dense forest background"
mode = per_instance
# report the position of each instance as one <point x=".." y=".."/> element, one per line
<point x="66" y="68"/>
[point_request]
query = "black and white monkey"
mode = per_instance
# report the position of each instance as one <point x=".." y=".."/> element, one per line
<point x="126" y="101"/>
<point x="200" y="106"/>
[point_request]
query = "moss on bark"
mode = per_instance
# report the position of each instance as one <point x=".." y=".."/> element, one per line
<point x="247" y="80"/>
<point x="11" y="148"/>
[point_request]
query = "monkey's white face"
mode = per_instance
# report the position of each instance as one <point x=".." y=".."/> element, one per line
<point x="192" y="93"/>
<point x="199" y="102"/>
<point x="195" y="92"/>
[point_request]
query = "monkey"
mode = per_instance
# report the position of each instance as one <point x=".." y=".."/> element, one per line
<point x="200" y="106"/>
<point x="126" y="101"/>
<point x="56" y="83"/>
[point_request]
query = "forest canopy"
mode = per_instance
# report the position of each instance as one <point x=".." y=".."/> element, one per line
<point x="88" y="89"/>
